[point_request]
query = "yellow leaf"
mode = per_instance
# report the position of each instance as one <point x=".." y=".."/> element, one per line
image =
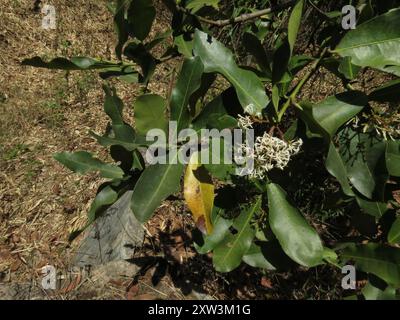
<point x="198" y="191"/>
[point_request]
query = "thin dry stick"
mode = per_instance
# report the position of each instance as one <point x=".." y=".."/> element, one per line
<point x="242" y="18"/>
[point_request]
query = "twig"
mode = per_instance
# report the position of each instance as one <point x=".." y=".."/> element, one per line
<point x="242" y="18"/>
<point x="292" y="98"/>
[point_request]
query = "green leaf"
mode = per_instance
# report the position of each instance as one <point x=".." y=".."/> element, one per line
<point x="124" y="73"/>
<point x="280" y="63"/>
<point x="393" y="158"/>
<point x="390" y="92"/>
<point x="121" y="26"/>
<point x="297" y="238"/>
<point x="105" y="197"/>
<point x="373" y="208"/>
<point x="371" y="292"/>
<point x="158" y="39"/>
<point x="184" y="47"/>
<point x="217" y="58"/>
<point x="124" y="136"/>
<point x="348" y="69"/>
<point x="376" y="259"/>
<point x="83" y="162"/>
<point x="106" y="141"/>
<point x="156" y="183"/>
<point x="394" y="233"/>
<point x="374" y="43"/>
<point x="335" y="166"/>
<point x="363" y="155"/>
<point x="335" y="111"/>
<point x="113" y="106"/>
<point x="275" y="97"/>
<point x="253" y="45"/>
<point x="196" y="5"/>
<point x="188" y="82"/>
<point x="294" y="23"/>
<point x="254" y="257"/>
<point x="141" y="15"/>
<point x="150" y="113"/>
<point x="211" y="116"/>
<point x="228" y="254"/>
<point x="220" y="231"/>
<point x="138" y="53"/>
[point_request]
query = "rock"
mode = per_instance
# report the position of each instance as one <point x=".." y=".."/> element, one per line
<point x="113" y="237"/>
<point x="21" y="291"/>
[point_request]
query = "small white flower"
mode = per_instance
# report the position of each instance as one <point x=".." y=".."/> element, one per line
<point x="245" y="122"/>
<point x="270" y="152"/>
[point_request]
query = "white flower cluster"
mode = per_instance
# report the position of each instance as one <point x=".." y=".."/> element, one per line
<point x="245" y="122"/>
<point x="269" y="152"/>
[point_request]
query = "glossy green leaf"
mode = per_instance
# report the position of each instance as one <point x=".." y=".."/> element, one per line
<point x="376" y="259"/>
<point x="217" y="58"/>
<point x="105" y="196"/>
<point x="125" y="73"/>
<point x="141" y="15"/>
<point x="150" y="113"/>
<point x="294" y="23"/>
<point x="254" y="257"/>
<point x="335" y="111"/>
<point x="138" y="53"/>
<point x="389" y="92"/>
<point x="371" y="292"/>
<point x="374" y="43"/>
<point x="121" y="26"/>
<point x="188" y="82"/>
<point x="394" y="233"/>
<point x="335" y="166"/>
<point x="348" y="69"/>
<point x="280" y="63"/>
<point x="113" y="106"/>
<point x="185" y="47"/>
<point x="211" y="116"/>
<point x="220" y="231"/>
<point x="83" y="162"/>
<point x="393" y="158"/>
<point x="107" y="141"/>
<point x="297" y="238"/>
<point x="253" y="45"/>
<point x="228" y="254"/>
<point x="364" y="157"/>
<point x="275" y="97"/>
<point x="373" y="208"/>
<point x="156" y="183"/>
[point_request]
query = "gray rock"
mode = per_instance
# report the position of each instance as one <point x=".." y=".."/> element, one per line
<point x="21" y="291"/>
<point x="113" y="237"/>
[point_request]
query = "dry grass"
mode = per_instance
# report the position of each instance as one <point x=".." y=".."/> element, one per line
<point x="43" y="112"/>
